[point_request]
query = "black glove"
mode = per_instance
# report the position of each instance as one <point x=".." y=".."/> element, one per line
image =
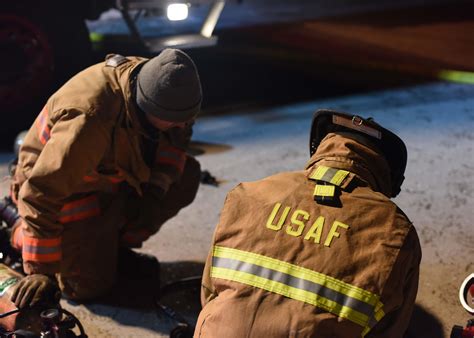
<point x="36" y="289"/>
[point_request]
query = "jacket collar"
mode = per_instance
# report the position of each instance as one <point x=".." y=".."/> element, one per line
<point x="129" y="132"/>
<point x="126" y="77"/>
<point x="342" y="152"/>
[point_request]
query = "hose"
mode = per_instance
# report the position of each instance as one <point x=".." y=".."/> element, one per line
<point x="9" y="313"/>
<point x="77" y="322"/>
<point x="183" y="329"/>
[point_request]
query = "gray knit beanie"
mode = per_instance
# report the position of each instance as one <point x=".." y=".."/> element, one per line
<point x="168" y="87"/>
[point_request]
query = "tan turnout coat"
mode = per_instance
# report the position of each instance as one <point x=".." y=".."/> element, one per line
<point x="283" y="265"/>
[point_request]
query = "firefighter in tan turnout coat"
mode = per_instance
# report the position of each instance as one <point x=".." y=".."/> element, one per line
<point x="321" y="252"/>
<point x="102" y="168"/>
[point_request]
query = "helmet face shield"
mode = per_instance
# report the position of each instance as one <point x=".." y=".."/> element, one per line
<point x="327" y="121"/>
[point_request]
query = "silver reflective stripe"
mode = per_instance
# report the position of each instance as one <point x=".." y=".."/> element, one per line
<point x="41" y="249"/>
<point x="333" y="295"/>
<point x="329" y="174"/>
<point x="295" y="282"/>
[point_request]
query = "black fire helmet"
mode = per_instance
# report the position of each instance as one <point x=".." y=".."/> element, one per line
<point x="329" y="121"/>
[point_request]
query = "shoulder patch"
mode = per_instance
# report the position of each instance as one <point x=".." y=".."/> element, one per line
<point x="115" y="60"/>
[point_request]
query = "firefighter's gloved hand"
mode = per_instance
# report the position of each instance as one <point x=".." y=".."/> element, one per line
<point x="36" y="289"/>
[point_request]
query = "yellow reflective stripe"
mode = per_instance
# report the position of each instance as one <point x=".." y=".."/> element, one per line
<point x="330" y="175"/>
<point x="379" y="315"/>
<point x="339" y="176"/>
<point x="324" y="190"/>
<point x="290" y="292"/>
<point x="378" y="307"/>
<point x="298" y="272"/>
<point x="344" y="300"/>
<point x="319" y="172"/>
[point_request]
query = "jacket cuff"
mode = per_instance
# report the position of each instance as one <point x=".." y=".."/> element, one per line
<point x="41" y="268"/>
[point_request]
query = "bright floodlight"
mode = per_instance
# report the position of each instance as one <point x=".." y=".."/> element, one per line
<point x="177" y="12"/>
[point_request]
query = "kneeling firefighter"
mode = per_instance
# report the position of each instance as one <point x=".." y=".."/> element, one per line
<point x="102" y="168"/>
<point x="320" y="252"/>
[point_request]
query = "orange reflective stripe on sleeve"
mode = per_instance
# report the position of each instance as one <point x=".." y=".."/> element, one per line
<point x="95" y="176"/>
<point x="42" y="250"/>
<point x="90" y="178"/>
<point x="44" y="132"/>
<point x="81" y="209"/>
<point x="172" y="156"/>
<point x="117" y="178"/>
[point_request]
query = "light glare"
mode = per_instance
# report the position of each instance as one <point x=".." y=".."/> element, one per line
<point x="177" y="12"/>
